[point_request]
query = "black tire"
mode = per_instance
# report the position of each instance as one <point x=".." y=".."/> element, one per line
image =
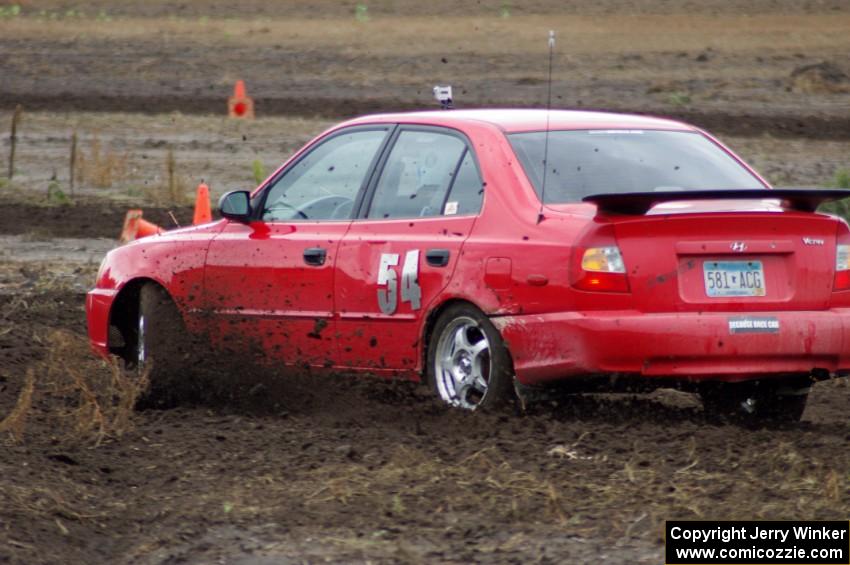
<point x="494" y="366"/>
<point x="162" y="349"/>
<point x="772" y="402"/>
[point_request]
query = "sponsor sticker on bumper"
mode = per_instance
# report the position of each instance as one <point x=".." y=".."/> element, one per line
<point x="753" y="325"/>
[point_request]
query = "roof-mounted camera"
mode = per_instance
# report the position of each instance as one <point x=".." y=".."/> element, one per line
<point x="443" y="94"/>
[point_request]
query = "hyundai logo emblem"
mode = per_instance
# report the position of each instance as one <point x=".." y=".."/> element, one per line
<point x="738" y="246"/>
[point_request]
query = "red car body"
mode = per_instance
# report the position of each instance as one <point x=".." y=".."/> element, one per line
<point x="247" y="285"/>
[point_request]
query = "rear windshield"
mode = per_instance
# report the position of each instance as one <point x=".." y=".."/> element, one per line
<point x="585" y="162"/>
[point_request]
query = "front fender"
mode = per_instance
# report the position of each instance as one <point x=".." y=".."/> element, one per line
<point x="175" y="260"/>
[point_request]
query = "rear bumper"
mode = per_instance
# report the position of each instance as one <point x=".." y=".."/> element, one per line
<point x="98" y="304"/>
<point x="694" y="346"/>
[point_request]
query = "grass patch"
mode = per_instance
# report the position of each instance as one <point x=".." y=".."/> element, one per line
<point x="174" y="186"/>
<point x="91" y="401"/>
<point x="14" y="422"/>
<point x="485" y="478"/>
<point x="55" y="194"/>
<point x="100" y="166"/>
<point x="841" y="179"/>
<point x="12" y="11"/>
<point x="679" y="98"/>
<point x="259" y="172"/>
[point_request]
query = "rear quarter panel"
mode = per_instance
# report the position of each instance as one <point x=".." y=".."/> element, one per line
<point x="512" y="263"/>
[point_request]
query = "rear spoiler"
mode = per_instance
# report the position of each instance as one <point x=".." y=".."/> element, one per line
<point x="639" y="203"/>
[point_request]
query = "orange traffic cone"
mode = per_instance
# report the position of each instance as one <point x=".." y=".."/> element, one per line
<point x="135" y="227"/>
<point x="203" y="214"/>
<point x="240" y="105"/>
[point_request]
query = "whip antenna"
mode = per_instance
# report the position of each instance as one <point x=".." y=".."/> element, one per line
<point x="546" y="139"/>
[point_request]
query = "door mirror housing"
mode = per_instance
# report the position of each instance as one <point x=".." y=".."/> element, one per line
<point x="235" y="205"/>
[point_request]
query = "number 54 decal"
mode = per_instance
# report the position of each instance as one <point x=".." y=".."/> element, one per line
<point x="388" y="278"/>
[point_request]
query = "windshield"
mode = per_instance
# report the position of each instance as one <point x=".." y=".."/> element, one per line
<point x="585" y="162"/>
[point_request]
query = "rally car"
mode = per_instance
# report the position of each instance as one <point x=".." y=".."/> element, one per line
<point x="496" y="251"/>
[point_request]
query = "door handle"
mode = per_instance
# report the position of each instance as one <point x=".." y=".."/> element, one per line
<point x="437" y="257"/>
<point x="315" y="256"/>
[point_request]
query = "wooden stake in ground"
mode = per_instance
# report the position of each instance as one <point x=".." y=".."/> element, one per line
<point x="13" y="139"/>
<point x="73" y="162"/>
<point x="170" y="165"/>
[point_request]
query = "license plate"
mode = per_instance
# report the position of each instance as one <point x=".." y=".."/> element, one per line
<point x="733" y="278"/>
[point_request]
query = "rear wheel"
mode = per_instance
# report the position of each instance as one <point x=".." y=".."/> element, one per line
<point x="760" y="402"/>
<point x="468" y="364"/>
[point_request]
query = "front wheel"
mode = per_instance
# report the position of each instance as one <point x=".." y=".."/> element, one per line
<point x="760" y="402"/>
<point x="161" y="349"/>
<point x="468" y="365"/>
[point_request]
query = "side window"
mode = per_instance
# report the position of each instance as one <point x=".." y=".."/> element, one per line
<point x="324" y="183"/>
<point x="417" y="175"/>
<point x="467" y="191"/>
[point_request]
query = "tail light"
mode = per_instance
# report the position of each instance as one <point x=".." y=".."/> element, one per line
<point x="598" y="263"/>
<point x="842" y="260"/>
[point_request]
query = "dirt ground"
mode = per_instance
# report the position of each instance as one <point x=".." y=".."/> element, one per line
<point x="728" y="65"/>
<point x="258" y="467"/>
<point x="278" y="468"/>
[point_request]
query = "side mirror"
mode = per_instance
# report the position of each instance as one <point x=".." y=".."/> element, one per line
<point x="235" y="205"/>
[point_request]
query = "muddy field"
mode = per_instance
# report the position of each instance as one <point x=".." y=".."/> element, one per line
<point x="257" y="467"/>
<point x="739" y="66"/>
<point x="270" y="468"/>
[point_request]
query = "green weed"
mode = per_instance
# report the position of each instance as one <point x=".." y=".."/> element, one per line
<point x="259" y="171"/>
<point x="55" y="194"/>
<point x="679" y="98"/>
<point x="361" y="13"/>
<point x="841" y="179"/>
<point x="505" y="10"/>
<point x="12" y="11"/>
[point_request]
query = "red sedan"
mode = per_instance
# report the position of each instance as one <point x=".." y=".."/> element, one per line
<point x="492" y="251"/>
